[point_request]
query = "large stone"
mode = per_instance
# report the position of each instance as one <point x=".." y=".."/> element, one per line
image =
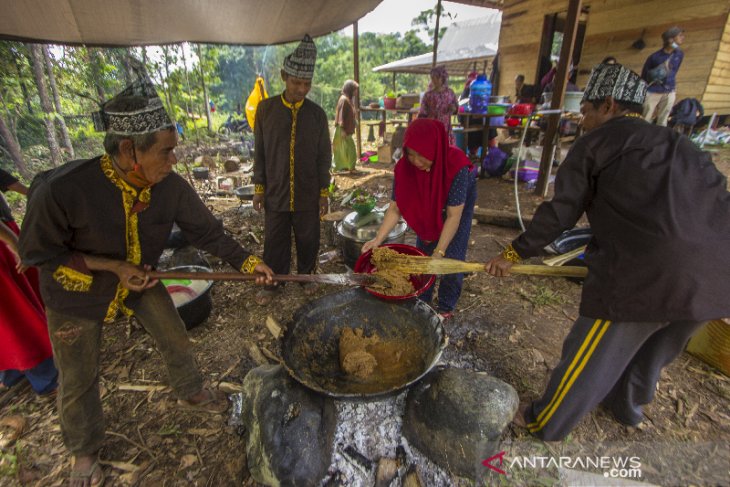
<point x="290" y="429"/>
<point x="456" y="417"/>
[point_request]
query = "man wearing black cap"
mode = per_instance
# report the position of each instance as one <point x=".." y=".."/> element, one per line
<point x="660" y="72"/>
<point x="94" y="227"/>
<point x="658" y="209"/>
<point x="291" y="169"/>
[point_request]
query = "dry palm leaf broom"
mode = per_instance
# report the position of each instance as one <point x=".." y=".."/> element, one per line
<point x="411" y="264"/>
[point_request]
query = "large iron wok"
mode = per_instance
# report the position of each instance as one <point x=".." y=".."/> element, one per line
<point x="310" y="343"/>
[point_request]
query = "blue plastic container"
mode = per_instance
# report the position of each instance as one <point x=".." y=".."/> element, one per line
<point x="480" y="91"/>
<point x="460" y="138"/>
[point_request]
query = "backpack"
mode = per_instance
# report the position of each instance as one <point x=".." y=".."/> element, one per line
<point x="688" y="111"/>
<point x="659" y="73"/>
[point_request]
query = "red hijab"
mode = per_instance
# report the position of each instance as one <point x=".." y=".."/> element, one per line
<point x="421" y="196"/>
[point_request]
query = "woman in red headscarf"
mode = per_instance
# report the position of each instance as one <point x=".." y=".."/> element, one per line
<point x="435" y="191"/>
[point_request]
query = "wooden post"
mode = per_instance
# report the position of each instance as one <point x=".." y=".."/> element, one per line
<point x="561" y="79"/>
<point x="356" y="53"/>
<point x="436" y="34"/>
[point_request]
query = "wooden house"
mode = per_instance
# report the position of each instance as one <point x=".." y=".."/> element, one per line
<point x="629" y="30"/>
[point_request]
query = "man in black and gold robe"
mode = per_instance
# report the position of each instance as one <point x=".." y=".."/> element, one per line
<point x="291" y="168"/>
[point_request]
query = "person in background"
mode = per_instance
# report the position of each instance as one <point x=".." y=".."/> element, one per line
<point x="434" y="189"/>
<point x="658" y="209"/>
<point x="440" y="102"/>
<point x="26" y="348"/>
<point x="474" y="138"/>
<point x="524" y="93"/>
<point x="569" y="85"/>
<point x="94" y="228"/>
<point x="660" y="71"/>
<point x="343" y="145"/>
<point x="291" y="169"/>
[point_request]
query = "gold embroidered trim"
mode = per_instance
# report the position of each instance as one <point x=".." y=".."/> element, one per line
<point x="134" y="250"/>
<point x="294" y="107"/>
<point x="72" y="280"/>
<point x="324" y="193"/>
<point x="510" y="254"/>
<point x="250" y="264"/>
<point x="633" y="115"/>
<point x="259" y="189"/>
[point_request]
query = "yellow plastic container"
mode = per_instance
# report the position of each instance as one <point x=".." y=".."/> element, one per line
<point x="711" y="344"/>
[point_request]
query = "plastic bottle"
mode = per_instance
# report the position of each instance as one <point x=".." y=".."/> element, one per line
<point x="480" y="91"/>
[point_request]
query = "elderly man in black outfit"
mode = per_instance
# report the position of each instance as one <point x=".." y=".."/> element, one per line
<point x="94" y="228"/>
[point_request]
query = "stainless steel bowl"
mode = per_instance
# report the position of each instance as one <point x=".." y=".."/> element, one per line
<point x="351" y="236"/>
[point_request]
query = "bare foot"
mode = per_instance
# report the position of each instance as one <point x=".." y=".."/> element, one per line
<point x="86" y="472"/>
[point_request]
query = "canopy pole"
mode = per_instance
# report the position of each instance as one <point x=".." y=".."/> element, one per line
<point x="561" y="79"/>
<point x="393" y="83"/>
<point x="436" y="34"/>
<point x="356" y="51"/>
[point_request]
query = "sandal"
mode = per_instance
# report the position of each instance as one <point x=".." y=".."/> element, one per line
<point x="88" y="475"/>
<point x="216" y="403"/>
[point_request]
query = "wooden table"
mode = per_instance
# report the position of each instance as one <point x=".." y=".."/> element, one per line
<point x="485" y="126"/>
<point x="410" y="112"/>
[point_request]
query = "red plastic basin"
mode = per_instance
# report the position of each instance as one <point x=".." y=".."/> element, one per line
<point x="421" y="283"/>
<point x="521" y="109"/>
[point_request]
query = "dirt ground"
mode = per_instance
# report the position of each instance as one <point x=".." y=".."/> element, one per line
<point x="512" y="328"/>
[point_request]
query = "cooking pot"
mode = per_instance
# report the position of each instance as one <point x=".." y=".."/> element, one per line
<point x="191" y="297"/>
<point x="201" y="173"/>
<point x="310" y="343"/>
<point x="244" y="193"/>
<point x="351" y="236"/>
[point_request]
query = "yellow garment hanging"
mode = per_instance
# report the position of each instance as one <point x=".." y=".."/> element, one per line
<point x="257" y="94"/>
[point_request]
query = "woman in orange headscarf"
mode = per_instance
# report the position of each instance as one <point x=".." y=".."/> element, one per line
<point x="435" y="191"/>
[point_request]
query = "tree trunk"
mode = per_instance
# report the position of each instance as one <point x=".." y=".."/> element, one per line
<point x="94" y="60"/>
<point x="206" y="101"/>
<point x="37" y="63"/>
<point x="11" y="146"/>
<point x="166" y="84"/>
<point x="21" y="81"/>
<point x="57" y="102"/>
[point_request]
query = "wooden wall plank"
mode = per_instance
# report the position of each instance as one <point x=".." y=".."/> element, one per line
<point x="612" y="26"/>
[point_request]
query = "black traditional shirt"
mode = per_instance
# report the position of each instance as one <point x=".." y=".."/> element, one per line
<point x="660" y="215"/>
<point x="84" y="207"/>
<point x="293" y="154"/>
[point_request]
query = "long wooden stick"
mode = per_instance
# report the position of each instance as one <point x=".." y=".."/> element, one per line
<point x="353" y="279"/>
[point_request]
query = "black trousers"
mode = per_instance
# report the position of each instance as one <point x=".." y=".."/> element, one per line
<point x="616" y="364"/>
<point x="278" y="226"/>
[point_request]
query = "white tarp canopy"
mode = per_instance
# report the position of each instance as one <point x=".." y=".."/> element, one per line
<point x="145" y="22"/>
<point x="463" y="44"/>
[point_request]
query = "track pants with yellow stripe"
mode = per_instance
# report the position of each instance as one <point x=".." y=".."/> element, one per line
<point x="616" y="364"/>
